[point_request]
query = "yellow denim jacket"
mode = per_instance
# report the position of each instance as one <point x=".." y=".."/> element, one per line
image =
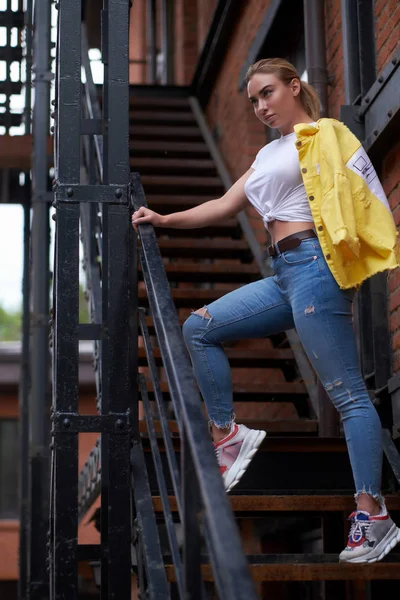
<point x="352" y="216"/>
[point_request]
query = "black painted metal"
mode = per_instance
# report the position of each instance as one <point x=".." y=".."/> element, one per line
<point x="168" y="519"/>
<point x="167" y="41"/>
<point x="99" y="196"/>
<point x="151" y="41"/>
<point x="213" y="52"/>
<point x="39" y="360"/>
<point x="229" y="560"/>
<point x="314" y="27"/>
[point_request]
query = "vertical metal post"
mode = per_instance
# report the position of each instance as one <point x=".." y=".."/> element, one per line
<point x="351" y="58"/>
<point x="151" y="42"/>
<point x="118" y="303"/>
<point x="40" y="391"/>
<point x="314" y="26"/>
<point x="167" y="24"/>
<point x="66" y="348"/>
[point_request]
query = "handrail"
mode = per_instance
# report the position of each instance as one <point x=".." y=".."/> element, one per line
<point x="229" y="564"/>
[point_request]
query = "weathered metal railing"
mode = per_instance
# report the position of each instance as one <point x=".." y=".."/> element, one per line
<point x="200" y="494"/>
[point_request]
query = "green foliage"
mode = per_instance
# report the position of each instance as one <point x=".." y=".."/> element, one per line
<point x="10" y="325"/>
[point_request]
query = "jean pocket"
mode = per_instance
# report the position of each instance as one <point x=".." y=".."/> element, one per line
<point x="293" y="257"/>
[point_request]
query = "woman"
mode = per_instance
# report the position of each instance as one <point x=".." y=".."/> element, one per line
<point x="331" y="228"/>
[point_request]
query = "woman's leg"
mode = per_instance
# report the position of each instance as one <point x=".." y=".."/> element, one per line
<point x="323" y="318"/>
<point x="255" y="310"/>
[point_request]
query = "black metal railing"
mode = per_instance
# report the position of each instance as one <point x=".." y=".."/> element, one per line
<point x="198" y="490"/>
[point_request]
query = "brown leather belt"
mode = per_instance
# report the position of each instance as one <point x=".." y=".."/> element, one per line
<point x="290" y="242"/>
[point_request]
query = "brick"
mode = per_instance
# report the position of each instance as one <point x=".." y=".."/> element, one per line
<point x="394" y="300"/>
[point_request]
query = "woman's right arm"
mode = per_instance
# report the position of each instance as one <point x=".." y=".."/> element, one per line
<point x="213" y="211"/>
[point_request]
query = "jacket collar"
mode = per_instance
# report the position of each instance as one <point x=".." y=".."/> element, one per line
<point x="306" y="129"/>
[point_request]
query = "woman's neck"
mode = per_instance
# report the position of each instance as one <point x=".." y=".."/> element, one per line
<point x="289" y="127"/>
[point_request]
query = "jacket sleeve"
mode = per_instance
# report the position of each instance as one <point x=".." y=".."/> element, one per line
<point x="337" y="213"/>
<point x="337" y="208"/>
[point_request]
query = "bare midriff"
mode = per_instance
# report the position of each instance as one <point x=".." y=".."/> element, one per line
<point x="281" y="229"/>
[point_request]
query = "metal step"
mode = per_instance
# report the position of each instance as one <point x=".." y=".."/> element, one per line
<point x="206" y="248"/>
<point x="173" y="166"/>
<point x="308" y="567"/>
<point x="268" y="358"/>
<point x="210" y="273"/>
<point x="267" y="503"/>
<point x="164" y="132"/>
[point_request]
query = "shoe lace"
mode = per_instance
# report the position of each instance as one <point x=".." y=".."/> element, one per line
<point x="359" y="528"/>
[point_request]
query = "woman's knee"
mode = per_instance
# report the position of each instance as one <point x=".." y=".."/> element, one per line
<point x="195" y="326"/>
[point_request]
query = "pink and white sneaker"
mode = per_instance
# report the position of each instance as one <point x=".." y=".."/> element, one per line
<point x="235" y="452"/>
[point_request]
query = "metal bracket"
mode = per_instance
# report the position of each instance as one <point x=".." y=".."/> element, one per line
<point x="108" y="194"/>
<point x="119" y="423"/>
<point x="379" y="111"/>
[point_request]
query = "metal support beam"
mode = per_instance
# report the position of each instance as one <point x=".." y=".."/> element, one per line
<point x="314" y="25"/>
<point x="40" y="363"/>
<point x="64" y="525"/>
<point x="151" y="42"/>
<point x="167" y="40"/>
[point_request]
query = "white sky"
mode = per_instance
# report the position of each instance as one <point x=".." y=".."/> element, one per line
<point x="11" y="255"/>
<point x="11" y="216"/>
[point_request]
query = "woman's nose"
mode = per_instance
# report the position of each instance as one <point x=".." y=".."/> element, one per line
<point x="262" y="104"/>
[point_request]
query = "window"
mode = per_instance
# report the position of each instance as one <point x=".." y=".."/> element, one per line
<point x="9" y="451"/>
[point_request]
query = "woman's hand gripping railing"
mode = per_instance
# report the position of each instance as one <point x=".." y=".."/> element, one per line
<point x="202" y="490"/>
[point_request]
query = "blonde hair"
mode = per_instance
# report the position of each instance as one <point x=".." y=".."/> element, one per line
<point x="285" y="72"/>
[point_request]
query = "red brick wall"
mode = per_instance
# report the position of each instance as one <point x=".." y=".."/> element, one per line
<point x="205" y="13"/>
<point x="391" y="184"/>
<point x="334" y="56"/>
<point x="387" y="21"/>
<point x="137" y="42"/>
<point x="240" y="134"/>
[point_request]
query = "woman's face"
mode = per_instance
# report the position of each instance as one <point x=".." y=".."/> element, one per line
<point x="273" y="100"/>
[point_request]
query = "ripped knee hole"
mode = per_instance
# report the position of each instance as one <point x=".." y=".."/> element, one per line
<point x="203" y="312"/>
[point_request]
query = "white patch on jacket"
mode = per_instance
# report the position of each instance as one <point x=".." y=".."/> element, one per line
<point x="361" y="164"/>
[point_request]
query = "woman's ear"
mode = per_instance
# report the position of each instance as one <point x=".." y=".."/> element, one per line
<point x="296" y="86"/>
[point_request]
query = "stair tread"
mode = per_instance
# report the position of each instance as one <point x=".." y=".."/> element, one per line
<point x="178" y="180"/>
<point x="212" y="268"/>
<point x="191" y="297"/>
<point x="256" y="387"/>
<point x="278" y="426"/>
<point x="181" y="163"/>
<point x="165" y="116"/>
<point x="165" y="130"/>
<point x="295" y="503"/>
<point x="242" y="353"/>
<point x="303" y="567"/>
<point x="205" y="248"/>
<point x="159" y="101"/>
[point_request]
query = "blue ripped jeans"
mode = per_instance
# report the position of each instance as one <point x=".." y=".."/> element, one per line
<point x="302" y="294"/>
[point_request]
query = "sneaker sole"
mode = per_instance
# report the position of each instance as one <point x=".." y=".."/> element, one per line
<point x="391" y="539"/>
<point x="249" y="448"/>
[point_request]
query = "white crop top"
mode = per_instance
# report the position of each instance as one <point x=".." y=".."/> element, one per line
<point x="276" y="188"/>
